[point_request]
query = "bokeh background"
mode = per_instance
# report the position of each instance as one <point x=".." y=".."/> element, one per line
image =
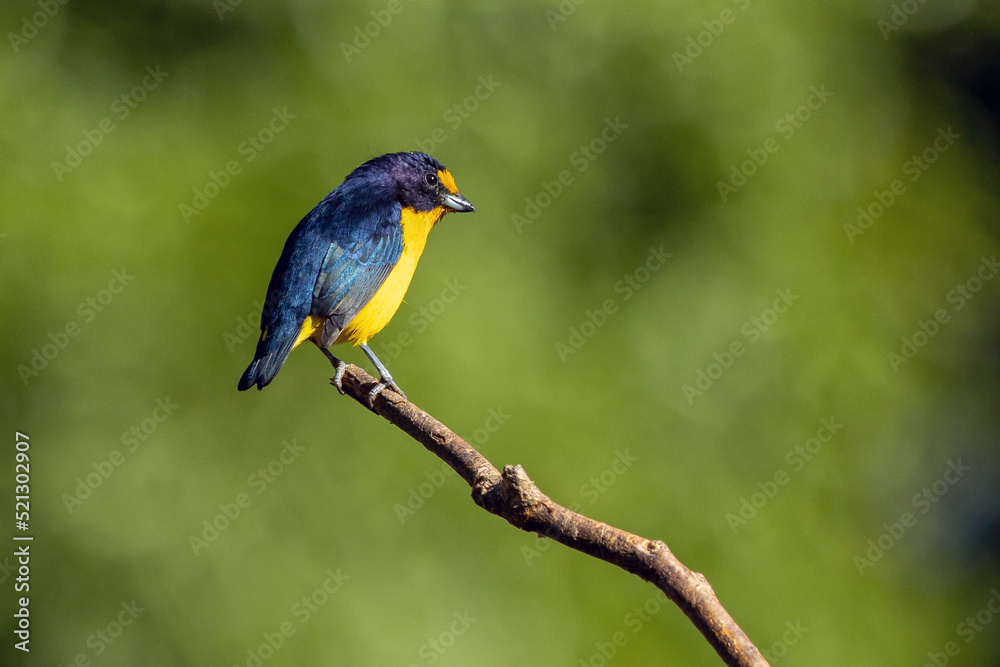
<point x="682" y="398"/>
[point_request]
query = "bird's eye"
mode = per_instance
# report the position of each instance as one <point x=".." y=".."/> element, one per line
<point x="431" y="179"/>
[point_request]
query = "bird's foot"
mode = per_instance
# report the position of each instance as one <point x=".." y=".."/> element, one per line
<point x="338" y="376"/>
<point x="384" y="383"/>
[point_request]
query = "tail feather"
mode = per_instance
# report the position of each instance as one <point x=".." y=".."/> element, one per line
<point x="266" y="362"/>
<point x="249" y="378"/>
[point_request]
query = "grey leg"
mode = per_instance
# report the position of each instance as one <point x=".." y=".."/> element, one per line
<point x="338" y="365"/>
<point x="385" y="379"/>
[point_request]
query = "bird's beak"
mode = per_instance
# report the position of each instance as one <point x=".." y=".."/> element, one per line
<point x="458" y="203"/>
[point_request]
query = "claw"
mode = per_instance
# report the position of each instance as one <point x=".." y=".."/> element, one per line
<point x="338" y="376"/>
<point x="384" y="383"/>
<point x="376" y="390"/>
<point x="392" y="385"/>
<point x="385" y="380"/>
<point x="338" y="365"/>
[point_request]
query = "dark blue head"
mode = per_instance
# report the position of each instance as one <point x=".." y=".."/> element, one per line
<point x="415" y="180"/>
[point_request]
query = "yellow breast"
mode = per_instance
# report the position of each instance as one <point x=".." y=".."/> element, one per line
<point x="383" y="305"/>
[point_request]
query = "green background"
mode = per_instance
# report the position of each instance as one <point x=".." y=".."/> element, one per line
<point x="177" y="332"/>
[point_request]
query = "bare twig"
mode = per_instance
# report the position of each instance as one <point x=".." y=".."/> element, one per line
<point x="513" y="496"/>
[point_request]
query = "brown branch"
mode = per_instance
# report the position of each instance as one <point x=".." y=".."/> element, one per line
<point x="513" y="496"/>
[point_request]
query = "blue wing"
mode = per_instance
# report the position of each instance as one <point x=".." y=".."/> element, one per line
<point x="355" y="266"/>
<point x="333" y="262"/>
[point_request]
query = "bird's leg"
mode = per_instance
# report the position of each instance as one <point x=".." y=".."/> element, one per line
<point x="338" y="365"/>
<point x="385" y="379"/>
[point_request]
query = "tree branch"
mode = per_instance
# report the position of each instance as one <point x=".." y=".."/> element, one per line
<point x="513" y="496"/>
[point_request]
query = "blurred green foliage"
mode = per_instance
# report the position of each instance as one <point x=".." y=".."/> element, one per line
<point x="702" y="391"/>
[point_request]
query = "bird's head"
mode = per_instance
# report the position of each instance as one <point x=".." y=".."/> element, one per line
<point x="418" y="181"/>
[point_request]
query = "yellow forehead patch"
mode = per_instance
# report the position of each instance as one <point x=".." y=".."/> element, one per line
<point x="448" y="181"/>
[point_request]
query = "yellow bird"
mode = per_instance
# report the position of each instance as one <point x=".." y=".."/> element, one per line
<point x="347" y="265"/>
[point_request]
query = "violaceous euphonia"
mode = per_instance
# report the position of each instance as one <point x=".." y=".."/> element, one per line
<point x="346" y="266"/>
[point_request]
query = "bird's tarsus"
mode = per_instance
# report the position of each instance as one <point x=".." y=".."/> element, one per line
<point x="385" y="379"/>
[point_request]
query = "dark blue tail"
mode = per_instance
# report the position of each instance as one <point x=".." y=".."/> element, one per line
<point x="273" y="349"/>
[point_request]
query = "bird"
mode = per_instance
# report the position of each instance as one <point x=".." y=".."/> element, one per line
<point x="346" y="266"/>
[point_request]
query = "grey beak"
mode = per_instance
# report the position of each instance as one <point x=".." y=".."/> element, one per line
<point x="458" y="203"/>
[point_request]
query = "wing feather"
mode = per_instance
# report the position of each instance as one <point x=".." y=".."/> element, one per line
<point x="354" y="267"/>
<point x="332" y="264"/>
